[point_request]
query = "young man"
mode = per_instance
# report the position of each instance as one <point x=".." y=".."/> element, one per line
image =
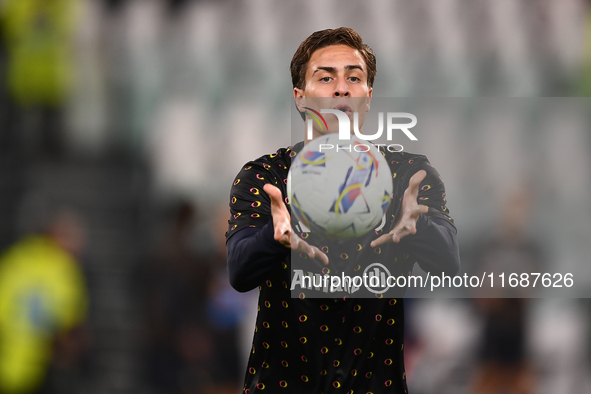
<point x="339" y="345"/>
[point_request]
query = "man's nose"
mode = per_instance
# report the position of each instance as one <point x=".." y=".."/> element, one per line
<point x="341" y="89"/>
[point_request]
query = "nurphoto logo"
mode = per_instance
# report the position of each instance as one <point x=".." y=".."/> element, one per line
<point x="345" y="128"/>
<point x="376" y="278"/>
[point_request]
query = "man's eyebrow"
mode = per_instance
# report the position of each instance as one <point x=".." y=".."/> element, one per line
<point x="333" y="69"/>
<point x="324" y="68"/>
<point x="354" y="67"/>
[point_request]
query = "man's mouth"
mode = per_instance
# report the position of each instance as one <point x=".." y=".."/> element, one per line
<point x="344" y="108"/>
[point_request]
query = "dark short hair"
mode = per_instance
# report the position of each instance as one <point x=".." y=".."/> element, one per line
<point x="324" y="38"/>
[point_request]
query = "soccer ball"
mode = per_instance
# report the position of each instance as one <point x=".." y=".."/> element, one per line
<point x="339" y="188"/>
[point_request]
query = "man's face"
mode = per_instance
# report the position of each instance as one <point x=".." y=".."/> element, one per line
<point x="336" y="78"/>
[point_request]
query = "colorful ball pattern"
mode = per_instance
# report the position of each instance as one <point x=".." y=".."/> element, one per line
<point x="339" y="188"/>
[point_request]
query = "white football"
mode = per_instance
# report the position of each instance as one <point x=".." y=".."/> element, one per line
<point x="339" y="188"/>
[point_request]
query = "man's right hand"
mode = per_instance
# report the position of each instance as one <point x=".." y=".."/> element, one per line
<point x="282" y="226"/>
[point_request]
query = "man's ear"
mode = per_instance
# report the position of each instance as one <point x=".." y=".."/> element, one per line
<point x="300" y="100"/>
<point x="369" y="99"/>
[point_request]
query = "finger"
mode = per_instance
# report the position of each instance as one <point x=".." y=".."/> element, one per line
<point x="312" y="251"/>
<point x="397" y="236"/>
<point x="415" y="182"/>
<point x="321" y="256"/>
<point x="308" y="250"/>
<point x="417" y="178"/>
<point x="409" y="228"/>
<point x="415" y="212"/>
<point x="284" y="237"/>
<point x="295" y="241"/>
<point x="282" y="232"/>
<point x="273" y="192"/>
<point x="315" y="253"/>
<point x="382" y="240"/>
<point x="402" y="232"/>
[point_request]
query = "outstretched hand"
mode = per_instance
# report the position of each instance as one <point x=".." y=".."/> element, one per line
<point x="282" y="226"/>
<point x="409" y="213"/>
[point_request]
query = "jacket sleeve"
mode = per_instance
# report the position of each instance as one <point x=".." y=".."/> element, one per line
<point x="253" y="254"/>
<point x="434" y="246"/>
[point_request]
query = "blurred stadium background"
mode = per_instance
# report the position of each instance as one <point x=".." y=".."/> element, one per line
<point x="137" y="115"/>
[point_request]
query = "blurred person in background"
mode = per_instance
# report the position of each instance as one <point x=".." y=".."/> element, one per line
<point x="38" y="38"/>
<point x="184" y="348"/>
<point x="226" y="310"/>
<point x="43" y="307"/>
<point x="504" y="366"/>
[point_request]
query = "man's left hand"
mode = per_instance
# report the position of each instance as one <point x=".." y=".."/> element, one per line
<point x="409" y="213"/>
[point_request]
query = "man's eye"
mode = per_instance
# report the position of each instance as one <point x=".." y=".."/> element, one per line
<point x="354" y="79"/>
<point x="325" y="79"/>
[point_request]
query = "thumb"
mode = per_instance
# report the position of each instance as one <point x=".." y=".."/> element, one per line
<point x="273" y="192"/>
<point x="416" y="179"/>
